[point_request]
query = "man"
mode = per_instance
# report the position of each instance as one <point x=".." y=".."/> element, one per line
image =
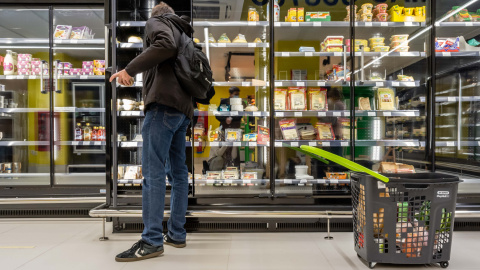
<point x="168" y="112"/>
<point x="228" y="121"/>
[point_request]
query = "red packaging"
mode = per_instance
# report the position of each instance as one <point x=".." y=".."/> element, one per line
<point x="263" y="135"/>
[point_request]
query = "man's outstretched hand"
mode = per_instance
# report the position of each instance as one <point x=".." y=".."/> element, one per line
<point x="123" y="78"/>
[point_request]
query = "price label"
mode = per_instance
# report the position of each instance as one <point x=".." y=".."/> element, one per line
<point x="130" y="144"/>
<point x="337" y="114"/>
<point x="384" y="24"/>
<point x="344" y="143"/>
<point x="372" y="114"/>
<point x="300" y="83"/>
<point x="278" y="83"/>
<point x="450" y="143"/>
<point x="234" y="113"/>
<point x="303" y="181"/>
<point x="221" y="45"/>
<point x="405" y="54"/>
<point x="247" y="181"/>
<point x="277" y="24"/>
<point x="383" y="53"/>
<point x="285" y="54"/>
<point x="446" y="54"/>
<point x="322" y="114"/>
<point x="468" y="24"/>
<point x="408" y="23"/>
<point x="337" y="54"/>
<point x="333" y="181"/>
<point x="83" y="77"/>
<point x="74" y="41"/>
<point x="325" y="143"/>
<point x="228" y="181"/>
<point x="279" y="114"/>
<point x="312" y="143"/>
<point x="20" y="77"/>
<point x="237" y="144"/>
<point x="196" y="144"/>
<point x="478" y="143"/>
<point x="320" y="83"/>
<point x="298" y="114"/>
<point x="10" y="77"/>
<point x="368" y="24"/>
<point x="309" y="54"/>
<point x="98" y="143"/>
<point x="294" y="144"/>
<point x="252" y="144"/>
<point x="32" y="77"/>
<point x="287" y="181"/>
<point x="75" y="143"/>
<point x="252" y="23"/>
<point x="210" y="181"/>
<point x="346" y="113"/>
<point x="295" y="24"/>
<point x="245" y="83"/>
<point x="87" y="143"/>
<point x="257" y="113"/>
<point x="278" y="144"/>
<point x="379" y="84"/>
<point x="317" y="24"/>
<point x="214" y="144"/>
<point x="395" y="84"/>
<point x="387" y="114"/>
<point x="252" y="45"/>
<point x="451" y="99"/>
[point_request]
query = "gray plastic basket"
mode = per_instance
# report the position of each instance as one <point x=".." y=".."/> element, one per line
<point x="408" y="220"/>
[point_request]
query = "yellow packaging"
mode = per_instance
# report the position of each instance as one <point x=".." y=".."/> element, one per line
<point x="301" y="15"/>
<point x="376" y="39"/>
<point x="292" y="15"/>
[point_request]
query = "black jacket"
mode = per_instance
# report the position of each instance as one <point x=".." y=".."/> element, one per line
<point x="160" y="85"/>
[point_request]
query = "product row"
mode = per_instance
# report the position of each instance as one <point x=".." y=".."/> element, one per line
<point x="69" y="32"/>
<point x="88" y="133"/>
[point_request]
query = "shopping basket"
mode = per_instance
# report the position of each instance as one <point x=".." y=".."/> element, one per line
<point x="408" y="220"/>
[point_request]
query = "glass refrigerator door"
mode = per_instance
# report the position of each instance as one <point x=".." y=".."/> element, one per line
<point x="79" y="95"/>
<point x="231" y="135"/>
<point x="457" y="102"/>
<point x="311" y="98"/>
<point x="391" y="81"/>
<point x="24" y="99"/>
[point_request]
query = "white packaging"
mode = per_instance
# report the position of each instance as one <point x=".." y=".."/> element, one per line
<point x="235" y="101"/>
<point x="238" y="108"/>
<point x="301" y="170"/>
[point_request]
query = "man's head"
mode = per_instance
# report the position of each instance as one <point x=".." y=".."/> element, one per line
<point x="234" y="91"/>
<point x="161" y="8"/>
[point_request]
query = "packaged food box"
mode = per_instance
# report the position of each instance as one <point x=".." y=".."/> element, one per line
<point x="263" y="135"/>
<point x="214" y="175"/>
<point x="65" y="65"/>
<point x="75" y="71"/>
<point x="88" y="64"/>
<point x="381" y="48"/>
<point x="289" y="129"/>
<point x="333" y="40"/>
<point x="224" y="39"/>
<point x="24" y="71"/>
<point x="385" y="99"/>
<point x="319" y="16"/>
<point x="357" y="49"/>
<point x="381" y="8"/>
<point x="99" y="71"/>
<point x="250" y="137"/>
<point x="81" y="32"/>
<point x="62" y="32"/>
<point x="240" y="38"/>
<point x="233" y="135"/>
<point x="249" y="175"/>
<point x="24" y="65"/>
<point x="297" y="98"/>
<point x="357" y="42"/>
<point x="398" y="38"/>
<point x="334" y="48"/>
<point x="317" y="99"/>
<point x="364" y="104"/>
<point x="366" y="8"/>
<point x="58" y="65"/>
<point x="66" y="71"/>
<point x="447" y="44"/>
<point x="24" y="57"/>
<point x="401" y="49"/>
<point x="337" y="175"/>
<point x="366" y="17"/>
<point x="300" y="15"/>
<point x="99" y="63"/>
<point x="292" y="15"/>
<point x="405" y="78"/>
<point x="398" y="43"/>
<point x="324" y="131"/>
<point x="382" y="17"/>
<point x="376" y="40"/>
<point x="280" y="99"/>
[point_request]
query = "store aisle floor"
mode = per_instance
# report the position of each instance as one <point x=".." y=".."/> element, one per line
<point x="73" y="244"/>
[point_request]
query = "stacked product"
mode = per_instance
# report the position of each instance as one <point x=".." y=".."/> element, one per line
<point x="23" y="64"/>
<point x="464" y="15"/>
<point x="332" y="44"/>
<point x="399" y="43"/>
<point x="11" y="167"/>
<point x="87" y="133"/>
<point x="131" y="172"/>
<point x="368" y="13"/>
<point x="295" y="15"/>
<point x="240" y="38"/>
<point x="377" y="44"/>
<point x="236" y="104"/>
<point x="88" y="68"/>
<point x="69" y="32"/>
<point x="380" y="13"/>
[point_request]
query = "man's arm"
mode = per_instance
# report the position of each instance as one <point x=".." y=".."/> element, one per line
<point x="162" y="47"/>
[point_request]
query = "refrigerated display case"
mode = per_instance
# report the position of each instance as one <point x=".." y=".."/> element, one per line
<point x="46" y="95"/>
<point x="357" y="80"/>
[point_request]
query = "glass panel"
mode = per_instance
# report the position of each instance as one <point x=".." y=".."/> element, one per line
<point x="312" y="97"/>
<point x="457" y="90"/>
<point x="24" y="101"/>
<point x="79" y="97"/>
<point x="391" y="75"/>
<point x="231" y="135"/>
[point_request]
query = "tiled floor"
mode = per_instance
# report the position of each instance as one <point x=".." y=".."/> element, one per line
<point x="73" y="244"/>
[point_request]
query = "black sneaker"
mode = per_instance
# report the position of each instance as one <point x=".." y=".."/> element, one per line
<point x="169" y="241"/>
<point x="139" y="251"/>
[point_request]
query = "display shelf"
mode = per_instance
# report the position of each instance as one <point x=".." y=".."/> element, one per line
<point x="62" y="77"/>
<point x="78" y="110"/>
<point x="131" y="144"/>
<point x="232" y="113"/>
<point x="229" y="23"/>
<point x="23" y="143"/>
<point x="23" y="175"/>
<point x="347" y="24"/>
<point x="130" y="45"/>
<point x="23" y="110"/>
<point x="456" y="99"/>
<point x="318" y="143"/>
<point x="387" y="143"/>
<point x="232" y="144"/>
<point x="455" y="143"/>
<point x="138" y="182"/>
<point x="252" y="83"/>
<point x="97" y="41"/>
<point x="286" y="83"/>
<point x="346" y="113"/>
<point x="312" y="181"/>
<point x="131" y="113"/>
<point x="367" y="54"/>
<point x="15" y="41"/>
<point x="231" y="181"/>
<point x="457" y="24"/>
<point x="457" y="54"/>
<point x="80" y="143"/>
<point x="236" y="45"/>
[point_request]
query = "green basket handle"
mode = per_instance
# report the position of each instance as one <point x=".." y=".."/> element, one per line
<point x="343" y="161"/>
<point x="308" y="153"/>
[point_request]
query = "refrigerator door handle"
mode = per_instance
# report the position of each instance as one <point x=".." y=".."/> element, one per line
<point x="42" y="84"/>
<point x="56" y="77"/>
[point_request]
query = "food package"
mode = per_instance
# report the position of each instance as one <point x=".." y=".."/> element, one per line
<point x="250" y="137"/>
<point x="133" y="172"/>
<point x="381" y="8"/>
<point x="345" y="128"/>
<point x="233" y="135"/>
<point x="214" y="175"/>
<point x="249" y="175"/>
<point x="198" y="132"/>
<point x="67" y="72"/>
<point x="79" y="33"/>
<point x="400" y="48"/>
<point x="297" y="98"/>
<point x="317" y="99"/>
<point x="301" y="15"/>
<point x="24" y="71"/>
<point x="394" y="44"/>
<point x="239" y="39"/>
<point x="382" y="17"/>
<point x="66" y="65"/>
<point x="364" y="104"/>
<point x="333" y="40"/>
<point x="230" y="173"/>
<point x="337" y="175"/>
<point x="214" y="135"/>
<point x="366" y="17"/>
<point x="376" y="40"/>
<point x="263" y="135"/>
<point x="298" y="74"/>
<point x="447" y="44"/>
<point x="318" y="16"/>
<point x="87" y="64"/>
<point x="405" y="78"/>
<point x="334" y="48"/>
<point x="98" y="63"/>
<point x="24" y="57"/>
<point x="399" y="38"/>
<point x="24" y="64"/>
<point x="253" y="15"/>
<point x="386" y="99"/>
<point x="306" y="132"/>
<point x="211" y="39"/>
<point x="99" y="71"/>
<point x="381" y="48"/>
<point x="75" y="71"/>
<point x="366" y="8"/>
<point x="257" y="40"/>
<point x="289" y="129"/>
<point x="357" y="49"/>
<point x="238" y="108"/>
<point x="358" y="42"/>
<point x="292" y="15"/>
<point x="404" y="168"/>
<point x="324" y="131"/>
<point x="224" y="39"/>
<point x="280" y="99"/>
<point x="375" y="44"/>
<point x="387" y="167"/>
<point x="62" y="32"/>
<point x="87" y="71"/>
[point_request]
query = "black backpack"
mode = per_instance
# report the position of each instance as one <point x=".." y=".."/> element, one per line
<point x="192" y="69"/>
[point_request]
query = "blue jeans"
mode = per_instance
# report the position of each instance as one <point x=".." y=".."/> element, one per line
<point x="163" y="133"/>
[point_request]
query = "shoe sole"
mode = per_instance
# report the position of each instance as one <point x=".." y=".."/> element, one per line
<point x="175" y="245"/>
<point x="149" y="256"/>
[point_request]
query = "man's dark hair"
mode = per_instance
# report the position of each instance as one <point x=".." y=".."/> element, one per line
<point x="233" y="89"/>
<point x="161" y="8"/>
